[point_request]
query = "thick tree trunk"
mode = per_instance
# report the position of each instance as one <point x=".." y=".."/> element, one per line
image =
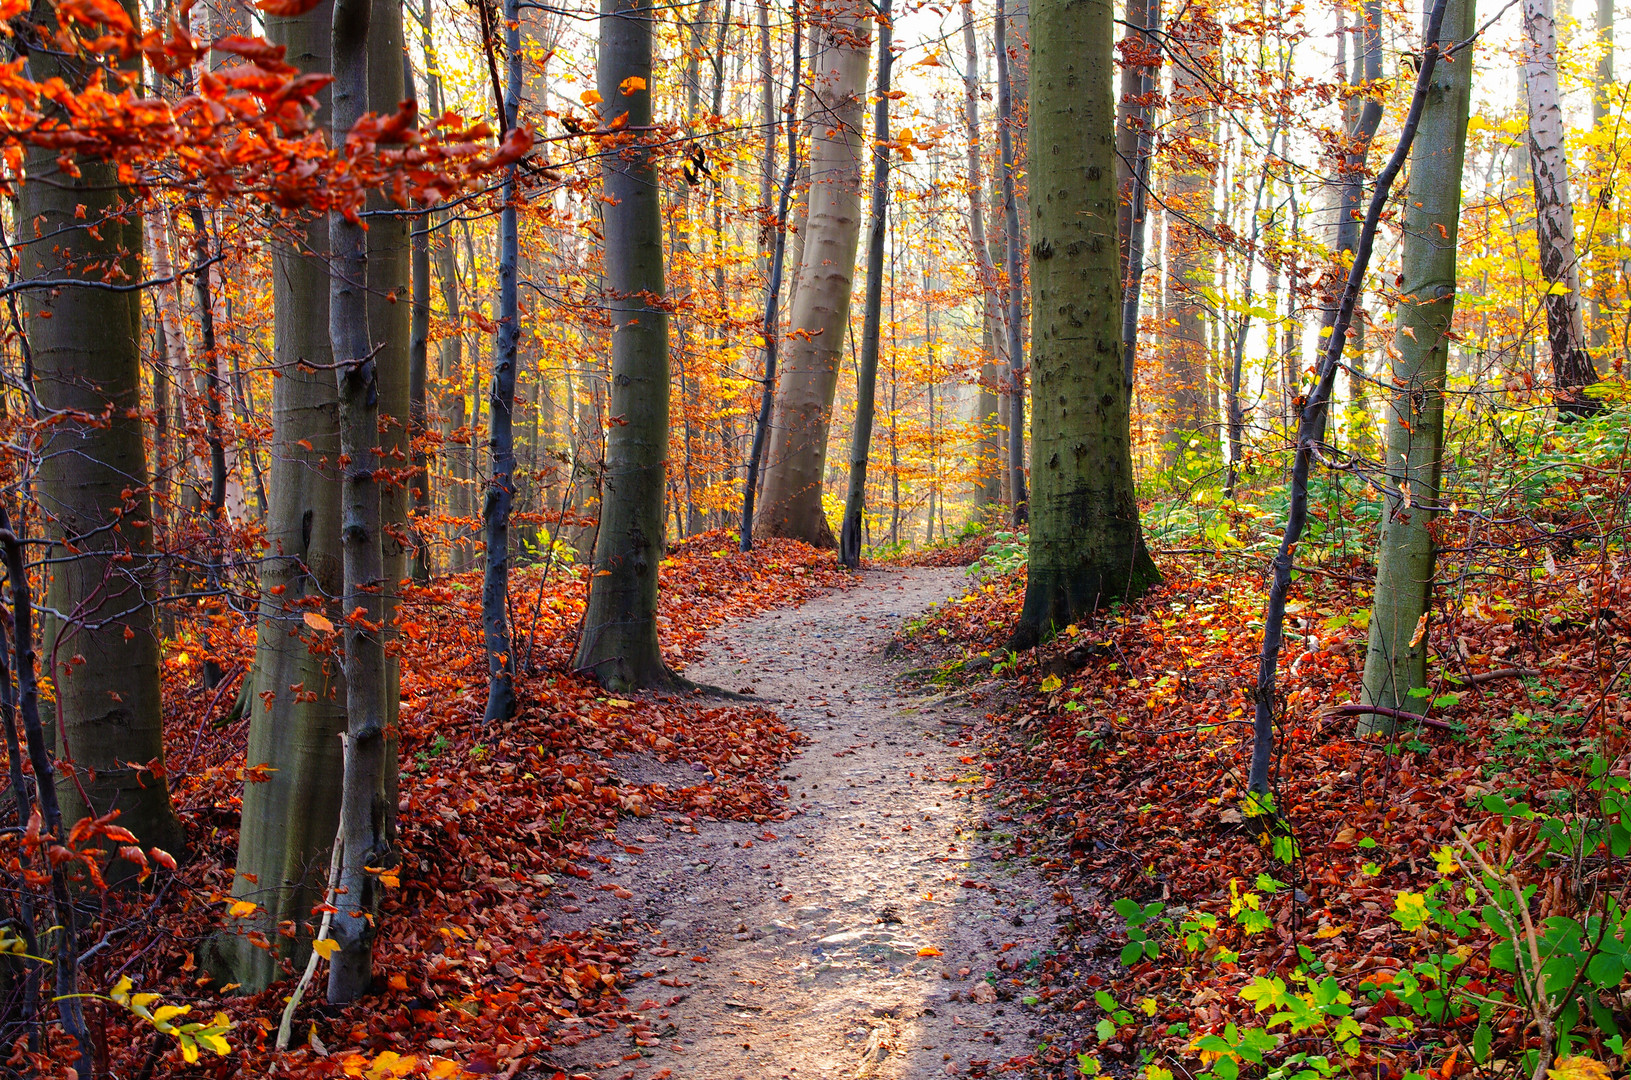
<point x="495" y="589"/>
<point x="1396" y="660"/>
<point x="619" y="638"/>
<point x="1086" y="545"/>
<point x="364" y="825"/>
<point x="101" y="649"/>
<point x="297" y="697"/>
<point x="1572" y="367"/>
<point x="796" y="461"/>
<point x="866" y="379"/>
<point x="1015" y="260"/>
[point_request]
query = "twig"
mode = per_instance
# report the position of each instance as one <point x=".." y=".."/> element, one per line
<point x="286" y="1025"/>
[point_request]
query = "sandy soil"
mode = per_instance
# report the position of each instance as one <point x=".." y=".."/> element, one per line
<point x="883" y="931"/>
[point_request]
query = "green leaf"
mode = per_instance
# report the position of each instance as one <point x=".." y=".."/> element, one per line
<point x="1605" y="971"/>
<point x="1105" y="1001"/>
<point x="1106" y="1030"/>
<point x="1132" y="953"/>
<point x="1129" y="909"/>
<point x="1445" y="701"/>
<point x="1481" y="1040"/>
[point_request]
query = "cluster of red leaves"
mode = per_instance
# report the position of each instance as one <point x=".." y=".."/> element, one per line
<point x="1127" y="744"/>
<point x="495" y="823"/>
<point x="964" y="552"/>
<point x="246" y="128"/>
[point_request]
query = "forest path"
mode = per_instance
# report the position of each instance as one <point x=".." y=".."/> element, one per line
<point x="807" y="949"/>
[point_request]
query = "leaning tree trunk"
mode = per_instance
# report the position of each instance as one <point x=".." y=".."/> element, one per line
<point x="363" y="833"/>
<point x="796" y="461"/>
<point x="1396" y="660"/>
<point x="296" y="700"/>
<point x="101" y="645"/>
<point x="1086" y="545"/>
<point x="988" y="486"/>
<point x="619" y="637"/>
<point x="495" y="586"/>
<point x="866" y="379"/>
<point x="1015" y="276"/>
<point x="1572" y="367"/>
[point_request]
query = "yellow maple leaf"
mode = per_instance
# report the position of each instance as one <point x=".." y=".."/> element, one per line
<point x="326" y="948"/>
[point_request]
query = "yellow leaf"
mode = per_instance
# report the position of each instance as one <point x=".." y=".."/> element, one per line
<point x="318" y="623"/>
<point x="214" y="1041"/>
<point x="591" y="97"/>
<point x="1052" y="683"/>
<point x="1421" y="630"/>
<point x="1578" y="1068"/>
<point x="170" y="1012"/>
<point x="242" y="909"/>
<point x="326" y="948"/>
<point x="443" y="1069"/>
<point x="189" y="1050"/>
<point x="632" y="85"/>
<point x="1149" y="1006"/>
<point x="929" y="950"/>
<point x="121" y="990"/>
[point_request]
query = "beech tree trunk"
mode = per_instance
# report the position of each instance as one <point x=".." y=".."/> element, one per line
<point x="619" y="638"/>
<point x="988" y="486"/>
<point x="796" y="462"/>
<point x="1396" y="659"/>
<point x="1086" y="544"/>
<point x="1191" y="408"/>
<point x="363" y="828"/>
<point x="1135" y="143"/>
<point x="1602" y="96"/>
<point x="1572" y="367"/>
<point x="1015" y="259"/>
<point x="296" y="696"/>
<point x="495" y="587"/>
<point x="102" y="648"/>
<point x="866" y="379"/>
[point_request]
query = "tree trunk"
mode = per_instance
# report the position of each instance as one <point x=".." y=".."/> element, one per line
<point x="1602" y="96"/>
<point x="1015" y="276"/>
<point x="101" y="647"/>
<point x="991" y="465"/>
<point x="866" y="380"/>
<point x="419" y="378"/>
<point x="495" y="588"/>
<point x="297" y="698"/>
<point x="1189" y="415"/>
<point x="1396" y="660"/>
<point x="1572" y="367"/>
<point x="1135" y="144"/>
<point x="363" y="826"/>
<point x="619" y="638"/>
<point x="1086" y="545"/>
<point x="770" y="329"/>
<point x="819" y="323"/>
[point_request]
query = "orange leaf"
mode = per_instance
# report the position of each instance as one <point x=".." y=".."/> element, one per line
<point x="287" y="9"/>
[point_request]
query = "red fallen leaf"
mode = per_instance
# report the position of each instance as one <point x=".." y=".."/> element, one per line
<point x="287" y="9"/>
<point x="699" y="959"/>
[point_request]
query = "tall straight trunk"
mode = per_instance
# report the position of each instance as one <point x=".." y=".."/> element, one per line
<point x="1311" y="425"/>
<point x="1189" y="413"/>
<point x="363" y="829"/>
<point x="1236" y="412"/>
<point x="1396" y="660"/>
<point x="1362" y="115"/>
<point x="988" y="486"/>
<point x="297" y="699"/>
<point x="1015" y="275"/>
<point x="389" y="320"/>
<point x="1135" y="144"/>
<point x="619" y="638"/>
<point x="1602" y="96"/>
<point x="213" y="391"/>
<point x="101" y="647"/>
<point x="1572" y="367"/>
<point x="866" y="379"/>
<point x="495" y="588"/>
<point x="419" y="377"/>
<point x="796" y="461"/>
<point x="1086" y="545"/>
<point x="770" y="327"/>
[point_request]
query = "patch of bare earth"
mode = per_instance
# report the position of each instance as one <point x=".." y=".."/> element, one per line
<point x="880" y="931"/>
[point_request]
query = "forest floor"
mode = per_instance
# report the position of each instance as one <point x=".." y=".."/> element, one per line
<point x="862" y="936"/>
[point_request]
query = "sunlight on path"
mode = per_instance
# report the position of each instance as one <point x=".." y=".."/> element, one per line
<point x="853" y="940"/>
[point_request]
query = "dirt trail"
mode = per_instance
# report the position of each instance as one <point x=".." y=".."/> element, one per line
<point x="808" y="949"/>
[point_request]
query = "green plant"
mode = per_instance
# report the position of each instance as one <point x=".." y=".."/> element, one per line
<point x="1007" y="552"/>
